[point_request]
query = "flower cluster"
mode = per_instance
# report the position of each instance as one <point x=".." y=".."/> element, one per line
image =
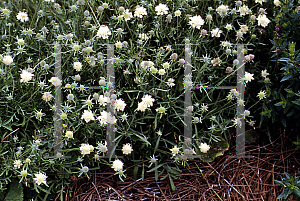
<point x="124" y="70"/>
<point x="147" y="101"/>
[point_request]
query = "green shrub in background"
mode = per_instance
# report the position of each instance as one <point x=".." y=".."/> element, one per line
<point x="283" y="103"/>
<point x="150" y="81"/>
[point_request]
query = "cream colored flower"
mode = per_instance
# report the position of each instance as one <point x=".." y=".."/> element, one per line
<point x="142" y="107"/>
<point x="204" y="147"/>
<point x="120" y="105"/>
<point x="47" y="96"/>
<point x="264" y="73"/>
<point x="24" y="173"/>
<point x="127" y="149"/>
<point x="248" y="77"/>
<point x="77" y="66"/>
<point x="243" y="10"/>
<point x="228" y="27"/>
<point x="246" y="113"/>
<point x="69" y="134"/>
<point x="161" y="110"/>
<point x="216" y="32"/>
<point x="244" y="29"/>
<point x="222" y="10"/>
<point x="103" y="100"/>
<point x="86" y="149"/>
<point x="148" y="100"/>
<point x="161" y="9"/>
<point x="55" y="81"/>
<point x="87" y="116"/>
<point x="117" y="165"/>
<point x="161" y="71"/>
<point x="170" y="82"/>
<point x="263" y="20"/>
<point x="40" y="178"/>
<point x="104" y="32"/>
<point x="127" y="15"/>
<point x="177" y="13"/>
<point x="17" y="164"/>
<point x="260" y="1"/>
<point x="21" y="41"/>
<point x="175" y="150"/>
<point x="146" y="64"/>
<point x="106" y="118"/>
<point x="7" y="60"/>
<point x="140" y="11"/>
<point x="118" y="44"/>
<point x="261" y="95"/>
<point x="196" y="21"/>
<point x="26" y="76"/>
<point x="143" y="36"/>
<point x="277" y="2"/>
<point x="22" y="16"/>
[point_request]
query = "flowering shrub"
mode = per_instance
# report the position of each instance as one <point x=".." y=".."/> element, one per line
<point x="150" y="81"/>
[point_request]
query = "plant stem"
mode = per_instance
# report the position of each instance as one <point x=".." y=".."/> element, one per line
<point x="211" y="187"/>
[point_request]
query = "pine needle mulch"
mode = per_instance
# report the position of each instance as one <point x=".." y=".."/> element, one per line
<point x="226" y="178"/>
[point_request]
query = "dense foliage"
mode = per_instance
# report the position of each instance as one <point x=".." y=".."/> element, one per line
<point x="152" y="43"/>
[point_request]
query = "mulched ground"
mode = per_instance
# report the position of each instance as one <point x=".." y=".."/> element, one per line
<point x="224" y="179"/>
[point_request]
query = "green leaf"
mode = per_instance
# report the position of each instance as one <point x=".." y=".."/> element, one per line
<point x="297" y="102"/>
<point x="289" y="91"/>
<point x="143" y="172"/>
<point x="288" y="176"/>
<point x="173" y="170"/>
<point x="135" y="172"/>
<point x="172" y="183"/>
<point x="15" y="192"/>
<point x="286" y="77"/>
<point x="157" y="143"/>
<point x="282" y="194"/>
<point x="297" y="192"/>
<point x="143" y="139"/>
<point x="155" y="168"/>
<point x="279" y="182"/>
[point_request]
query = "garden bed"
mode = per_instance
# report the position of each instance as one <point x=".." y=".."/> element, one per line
<point x="226" y="177"/>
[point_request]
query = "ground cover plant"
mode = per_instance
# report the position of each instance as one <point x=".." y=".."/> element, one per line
<point x="143" y="103"/>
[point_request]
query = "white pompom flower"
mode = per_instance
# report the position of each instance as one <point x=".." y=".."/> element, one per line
<point x="204" y="147"/>
<point x="26" y="76"/>
<point x="127" y="149"/>
<point x="263" y="20"/>
<point x="77" y="66"/>
<point x="55" y="81"/>
<point x="87" y="116"/>
<point x="140" y="11"/>
<point x="148" y="100"/>
<point x="7" y="60"/>
<point x="161" y="9"/>
<point x="117" y="165"/>
<point x="196" y="21"/>
<point x="104" y="32"/>
<point x="120" y="105"/>
<point x="142" y="107"/>
<point x="86" y="148"/>
<point x="22" y="16"/>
